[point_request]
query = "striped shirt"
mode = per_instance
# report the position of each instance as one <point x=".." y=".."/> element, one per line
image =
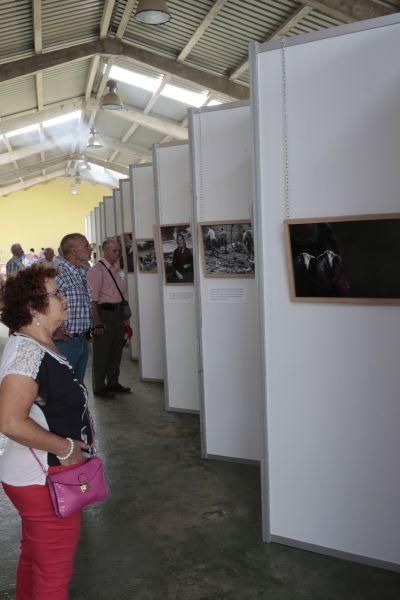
<point x="14" y="265"/>
<point x="73" y="285"/>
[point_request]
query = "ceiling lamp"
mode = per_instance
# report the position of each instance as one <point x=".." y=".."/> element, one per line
<point x="73" y="191"/>
<point x="78" y="179"/>
<point x="93" y="141"/>
<point x="82" y="164"/>
<point x="111" y="100"/>
<point x="152" y="12"/>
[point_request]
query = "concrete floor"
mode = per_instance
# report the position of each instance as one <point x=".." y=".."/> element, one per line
<point x="177" y="527"/>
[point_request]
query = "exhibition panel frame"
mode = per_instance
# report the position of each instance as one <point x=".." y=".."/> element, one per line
<point x="109" y="215"/>
<point x="97" y="230"/>
<point x="102" y="214"/>
<point x="125" y="226"/>
<point x="327" y="142"/>
<point x="148" y="289"/>
<point x="174" y="206"/>
<point x="227" y="323"/>
<point x="88" y="228"/>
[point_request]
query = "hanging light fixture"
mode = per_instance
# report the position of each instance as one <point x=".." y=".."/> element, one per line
<point x="111" y="100"/>
<point x="78" y="179"/>
<point x="73" y="191"/>
<point x="152" y="12"/>
<point x="82" y="164"/>
<point x="93" y="141"/>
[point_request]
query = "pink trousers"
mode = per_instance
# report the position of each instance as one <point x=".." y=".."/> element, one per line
<point x="48" y="544"/>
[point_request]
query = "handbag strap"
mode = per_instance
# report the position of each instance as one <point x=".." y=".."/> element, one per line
<point x="38" y="461"/>
<point x="113" y="278"/>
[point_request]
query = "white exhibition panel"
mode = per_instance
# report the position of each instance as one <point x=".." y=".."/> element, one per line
<point x="88" y="230"/>
<point x="92" y="227"/>
<point x="102" y="223"/>
<point x="332" y="376"/>
<point x="97" y="226"/>
<point x="109" y="212"/>
<point x="125" y="225"/>
<point x="148" y="289"/>
<point x="174" y="205"/>
<point x="228" y="331"/>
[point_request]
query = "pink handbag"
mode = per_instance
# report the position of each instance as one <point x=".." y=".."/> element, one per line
<point x="77" y="487"/>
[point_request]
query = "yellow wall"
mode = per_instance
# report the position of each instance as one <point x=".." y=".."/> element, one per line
<point x="43" y="214"/>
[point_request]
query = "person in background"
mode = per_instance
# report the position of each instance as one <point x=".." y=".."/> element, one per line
<point x="43" y="407"/>
<point x="72" y="339"/>
<point x="15" y="263"/>
<point x="41" y="253"/>
<point x="48" y="258"/>
<point x="104" y="280"/>
<point x="58" y="260"/>
<point x="30" y="258"/>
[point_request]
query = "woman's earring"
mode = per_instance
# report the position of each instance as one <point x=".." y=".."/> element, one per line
<point x="38" y="323"/>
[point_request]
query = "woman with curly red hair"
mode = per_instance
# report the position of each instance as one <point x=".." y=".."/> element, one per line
<point x="42" y="407"/>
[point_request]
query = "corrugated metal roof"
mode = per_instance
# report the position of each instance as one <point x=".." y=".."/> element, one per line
<point x="146" y="137"/>
<point x="70" y="20"/>
<point x="66" y="81"/>
<point x="16" y="31"/>
<point x="17" y="95"/>
<point x="171" y="37"/>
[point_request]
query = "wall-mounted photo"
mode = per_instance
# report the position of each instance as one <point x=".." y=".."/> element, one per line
<point x="344" y="259"/>
<point x="121" y="254"/>
<point x="177" y="253"/>
<point x="146" y="254"/>
<point x="227" y="249"/>
<point x="128" y="242"/>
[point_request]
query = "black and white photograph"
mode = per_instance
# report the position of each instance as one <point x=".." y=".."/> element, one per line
<point x="227" y="249"/>
<point x="146" y="254"/>
<point x="177" y="253"/>
<point x="128" y="242"/>
<point x="345" y="259"/>
<point x="121" y="254"/>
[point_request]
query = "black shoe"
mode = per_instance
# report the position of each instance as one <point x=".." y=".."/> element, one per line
<point x="119" y="388"/>
<point x="104" y="393"/>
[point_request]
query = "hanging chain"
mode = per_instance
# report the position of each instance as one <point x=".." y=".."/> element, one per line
<point x="285" y="132"/>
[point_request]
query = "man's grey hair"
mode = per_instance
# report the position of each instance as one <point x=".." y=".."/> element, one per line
<point x="108" y="241"/>
<point x="68" y="242"/>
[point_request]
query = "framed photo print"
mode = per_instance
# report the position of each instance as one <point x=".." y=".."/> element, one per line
<point x="146" y="256"/>
<point x="177" y="253"/>
<point x="227" y="248"/>
<point x="344" y="259"/>
<point x="128" y="243"/>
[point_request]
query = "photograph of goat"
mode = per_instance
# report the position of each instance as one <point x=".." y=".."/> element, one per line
<point x="344" y="259"/>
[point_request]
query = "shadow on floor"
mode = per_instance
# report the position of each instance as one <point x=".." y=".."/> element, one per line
<point x="177" y="527"/>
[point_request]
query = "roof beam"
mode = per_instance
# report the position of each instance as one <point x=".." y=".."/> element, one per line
<point x="24" y="171"/>
<point x="107" y="165"/>
<point x="125" y="19"/>
<point x="52" y="110"/>
<point x="114" y="47"/>
<point x="349" y="10"/>
<point x="121" y="146"/>
<point x="156" y="123"/>
<point x="146" y="111"/>
<point x="4" y="191"/>
<point x="106" y="17"/>
<point x="92" y="75"/>
<point x="129" y="113"/>
<point x="37" y="25"/>
<point x="208" y="19"/>
<point x="282" y="30"/>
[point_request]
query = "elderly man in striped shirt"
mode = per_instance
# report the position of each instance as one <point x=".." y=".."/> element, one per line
<point x="72" y="339"/>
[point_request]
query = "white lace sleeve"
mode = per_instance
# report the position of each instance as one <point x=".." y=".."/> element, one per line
<point x="24" y="358"/>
